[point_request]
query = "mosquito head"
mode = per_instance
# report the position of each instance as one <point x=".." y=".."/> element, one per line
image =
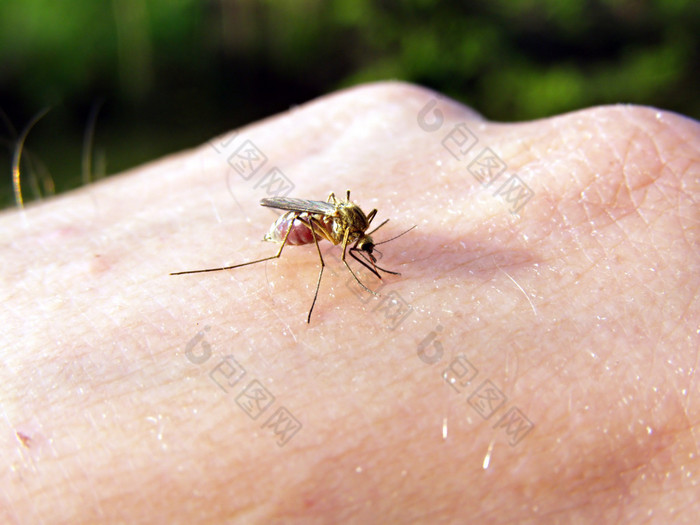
<point x="366" y="244"/>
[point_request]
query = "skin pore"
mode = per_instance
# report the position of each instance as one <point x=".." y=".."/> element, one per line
<point x="535" y="361"/>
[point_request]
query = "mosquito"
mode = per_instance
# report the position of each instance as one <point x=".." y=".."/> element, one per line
<point x="306" y="222"/>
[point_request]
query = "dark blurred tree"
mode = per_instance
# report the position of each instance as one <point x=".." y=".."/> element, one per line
<point x="173" y="73"/>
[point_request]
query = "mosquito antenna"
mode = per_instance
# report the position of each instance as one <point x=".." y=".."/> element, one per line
<point x="399" y="235"/>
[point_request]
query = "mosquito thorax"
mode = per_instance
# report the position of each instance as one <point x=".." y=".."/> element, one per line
<point x="354" y="216"/>
<point x="349" y="217"/>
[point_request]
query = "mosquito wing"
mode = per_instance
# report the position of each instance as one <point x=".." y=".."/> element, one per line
<point x="303" y="205"/>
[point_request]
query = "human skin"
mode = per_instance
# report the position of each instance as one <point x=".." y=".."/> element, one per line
<point x="580" y="309"/>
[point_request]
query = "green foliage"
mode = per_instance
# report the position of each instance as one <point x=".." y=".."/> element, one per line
<point x="175" y="72"/>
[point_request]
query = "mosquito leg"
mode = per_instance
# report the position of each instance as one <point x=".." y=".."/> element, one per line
<point x="370" y="218"/>
<point x="345" y="245"/>
<point x="320" y="273"/>
<point x="276" y="256"/>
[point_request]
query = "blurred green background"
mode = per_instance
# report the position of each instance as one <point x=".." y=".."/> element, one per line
<point x="170" y="74"/>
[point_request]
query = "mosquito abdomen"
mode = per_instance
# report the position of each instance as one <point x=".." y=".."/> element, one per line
<point x="300" y="234"/>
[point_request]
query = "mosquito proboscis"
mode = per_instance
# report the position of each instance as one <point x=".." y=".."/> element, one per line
<point x="306" y="221"/>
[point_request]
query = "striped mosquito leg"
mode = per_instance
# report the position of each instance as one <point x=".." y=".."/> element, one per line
<point x="276" y="256"/>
